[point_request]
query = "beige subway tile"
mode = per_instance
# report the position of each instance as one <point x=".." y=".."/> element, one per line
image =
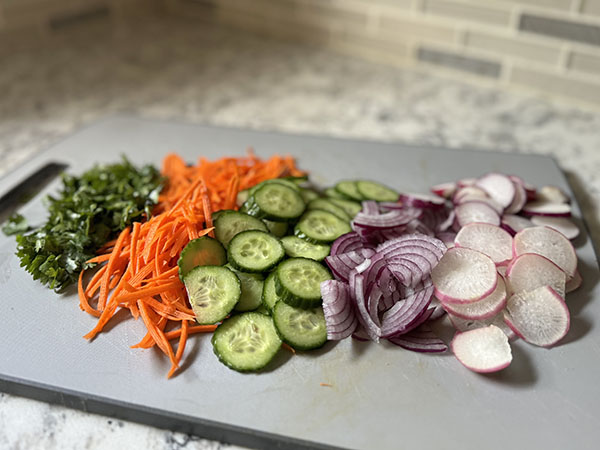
<point x="565" y="86"/>
<point x="585" y="62"/>
<point x="374" y="50"/>
<point x="564" y="5"/>
<point x="268" y="8"/>
<point x="518" y="47"/>
<point x="415" y="27"/>
<point x="471" y="11"/>
<point x="591" y="7"/>
<point x="39" y="12"/>
<point x="328" y="14"/>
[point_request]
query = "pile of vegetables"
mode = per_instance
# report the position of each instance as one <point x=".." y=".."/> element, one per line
<point x="247" y="248"/>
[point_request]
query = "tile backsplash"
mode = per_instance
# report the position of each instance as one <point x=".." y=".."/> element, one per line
<point x="552" y="46"/>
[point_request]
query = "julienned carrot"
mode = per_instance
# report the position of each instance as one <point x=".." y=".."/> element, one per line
<point x="138" y="270"/>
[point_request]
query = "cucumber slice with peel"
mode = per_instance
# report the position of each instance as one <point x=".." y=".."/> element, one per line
<point x="230" y="223"/>
<point x="349" y="189"/>
<point x="269" y="293"/>
<point x="326" y="205"/>
<point x="321" y="227"/>
<point x="204" y="251"/>
<point x="302" y="329"/>
<point x="371" y="190"/>
<point x="246" y="342"/>
<point x="275" y="201"/>
<point x="298" y="282"/>
<point x="255" y="251"/>
<point x="213" y="291"/>
<point x="301" y="248"/>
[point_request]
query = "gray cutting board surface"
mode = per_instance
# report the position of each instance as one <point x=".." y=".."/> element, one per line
<point x="380" y="396"/>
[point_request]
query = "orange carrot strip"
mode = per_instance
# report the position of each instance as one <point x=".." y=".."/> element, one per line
<point x="83" y="299"/>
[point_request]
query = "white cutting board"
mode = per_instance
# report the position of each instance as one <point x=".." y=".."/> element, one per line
<point x="381" y="397"/>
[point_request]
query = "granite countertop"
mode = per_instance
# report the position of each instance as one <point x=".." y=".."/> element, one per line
<point x="197" y="72"/>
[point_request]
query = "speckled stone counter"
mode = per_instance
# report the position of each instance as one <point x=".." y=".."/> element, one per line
<point x="196" y="72"/>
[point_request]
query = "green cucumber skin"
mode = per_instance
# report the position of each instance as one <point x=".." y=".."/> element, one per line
<point x="226" y="360"/>
<point x="292" y="340"/>
<point x="221" y="225"/>
<point x="196" y="245"/>
<point x="327" y="205"/>
<point x="253" y="207"/>
<point x="317" y="254"/>
<point x="234" y="260"/>
<point x="226" y="311"/>
<point x="303" y="233"/>
<point x="367" y="189"/>
<point x="349" y="189"/>
<point x="269" y="294"/>
<point x="295" y="300"/>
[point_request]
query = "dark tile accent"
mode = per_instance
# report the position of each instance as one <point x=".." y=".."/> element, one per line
<point x="459" y="62"/>
<point x="97" y="12"/>
<point x="562" y="29"/>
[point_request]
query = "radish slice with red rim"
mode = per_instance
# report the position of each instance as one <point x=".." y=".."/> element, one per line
<point x="464" y="276"/>
<point x="490" y="240"/>
<point x="530" y="271"/>
<point x="574" y="283"/>
<point x="482" y="309"/>
<point x="549" y="243"/>
<point x="445" y="190"/>
<point x="563" y="224"/>
<point x="552" y="194"/>
<point x="541" y="317"/>
<point x="482" y="350"/>
<point x="499" y="187"/>
<point x="470" y="324"/>
<point x="513" y="224"/>
<point x="519" y="200"/>
<point x="469" y="191"/>
<point x="488" y="201"/>
<point x="547" y="209"/>
<point x="464" y="182"/>
<point x="476" y="211"/>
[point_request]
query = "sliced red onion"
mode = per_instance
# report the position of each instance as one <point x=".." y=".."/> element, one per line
<point x="341" y="264"/>
<point x="360" y="334"/>
<point x="422" y="340"/>
<point x="386" y="220"/>
<point x="447" y="237"/>
<point x="347" y="243"/>
<point x="406" y="314"/>
<point x="339" y="312"/>
<point x="438" y="309"/>
<point x="370" y="208"/>
<point x="446" y="224"/>
<point x="357" y="289"/>
<point x="422" y="200"/>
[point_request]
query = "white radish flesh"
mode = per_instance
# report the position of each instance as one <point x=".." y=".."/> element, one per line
<point x="470" y="324"/>
<point x="540" y="317"/>
<point x="547" y="209"/>
<point x="464" y="182"/>
<point x="562" y="224"/>
<point x="490" y="240"/>
<point x="552" y="194"/>
<point x="499" y="187"/>
<point x="470" y="191"/>
<point x="464" y="276"/>
<point x="482" y="350"/>
<point x="574" y="283"/>
<point x="519" y="200"/>
<point x="474" y="198"/>
<point x="549" y="243"/>
<point x="445" y="190"/>
<point x="530" y="271"/>
<point x="476" y="211"/>
<point x="482" y="309"/>
<point x="513" y="224"/>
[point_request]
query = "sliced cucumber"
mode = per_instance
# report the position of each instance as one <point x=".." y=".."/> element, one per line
<point x="351" y="207"/>
<point x="230" y="223"/>
<point x="321" y="227"/>
<point x="252" y="288"/>
<point x="204" y="251"/>
<point x="302" y="329"/>
<point x="332" y="193"/>
<point x="371" y="190"/>
<point x="275" y="201"/>
<point x="349" y="189"/>
<point x="255" y="251"/>
<point x="262" y="309"/>
<point x="278" y="229"/>
<point x="242" y="196"/>
<point x="269" y="293"/>
<point x="327" y="205"/>
<point x="213" y="291"/>
<point x="308" y="194"/>
<point x="283" y="181"/>
<point x="298" y="282"/>
<point x="246" y="342"/>
<point x="296" y="247"/>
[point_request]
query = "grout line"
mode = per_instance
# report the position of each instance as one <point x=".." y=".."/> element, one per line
<point x="564" y="58"/>
<point x="515" y="16"/>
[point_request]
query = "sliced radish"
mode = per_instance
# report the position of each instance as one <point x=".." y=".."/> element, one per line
<point x="476" y="211"/>
<point x="574" y="283"/>
<point x="469" y="191"/>
<point x="464" y="276"/>
<point x="463" y="182"/>
<point x="552" y="194"/>
<point x="519" y="200"/>
<point x="501" y="270"/>
<point x="498" y="186"/>
<point x="562" y="224"/>
<point x="547" y="209"/>
<point x="541" y="317"/>
<point x="487" y="200"/>
<point x="482" y="309"/>
<point x="470" y="324"/>
<point x="445" y="190"/>
<point x="549" y="243"/>
<point x="482" y="350"/>
<point x="530" y="271"/>
<point x="422" y="200"/>
<point x="490" y="240"/>
<point x="513" y="224"/>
